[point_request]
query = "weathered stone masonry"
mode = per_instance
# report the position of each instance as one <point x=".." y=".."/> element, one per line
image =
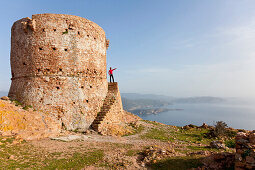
<point x="111" y="118"/>
<point x="58" y="65"/>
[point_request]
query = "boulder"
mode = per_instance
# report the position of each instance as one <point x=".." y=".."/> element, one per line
<point x="70" y="138"/>
<point x="252" y="138"/>
<point x="28" y="125"/>
<point x="204" y="126"/>
<point x="217" y="144"/>
<point x="5" y="98"/>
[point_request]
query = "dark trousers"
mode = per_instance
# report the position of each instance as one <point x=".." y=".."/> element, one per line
<point x="111" y="78"/>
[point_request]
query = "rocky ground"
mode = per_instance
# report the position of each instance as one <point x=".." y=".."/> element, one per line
<point x="152" y="145"/>
<point x="25" y="123"/>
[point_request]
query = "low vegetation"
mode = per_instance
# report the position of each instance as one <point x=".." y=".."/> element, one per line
<point x="24" y="155"/>
<point x="27" y="107"/>
<point x="178" y="163"/>
<point x="191" y="140"/>
<point x="136" y="129"/>
<point x="230" y="143"/>
<point x="221" y="131"/>
<point x="132" y="152"/>
<point x="169" y="133"/>
<point x="182" y="148"/>
<point x="76" y="161"/>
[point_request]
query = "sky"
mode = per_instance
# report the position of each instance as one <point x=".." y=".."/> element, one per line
<point x="178" y="48"/>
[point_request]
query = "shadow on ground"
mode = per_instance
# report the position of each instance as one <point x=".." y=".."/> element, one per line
<point x="178" y="163"/>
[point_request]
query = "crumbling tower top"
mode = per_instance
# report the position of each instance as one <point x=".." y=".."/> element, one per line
<point x="55" y="41"/>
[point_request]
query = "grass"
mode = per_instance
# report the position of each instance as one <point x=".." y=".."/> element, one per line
<point x="177" y="163"/>
<point x="28" y="157"/>
<point x="17" y="103"/>
<point x="158" y="134"/>
<point x="246" y="153"/>
<point x="19" y="152"/>
<point x="65" y="32"/>
<point x="138" y="129"/>
<point x="152" y="122"/>
<point x="25" y="156"/>
<point x="132" y="152"/>
<point x="135" y="130"/>
<point x="27" y="107"/>
<point x="201" y="148"/>
<point x="77" y="161"/>
<point x="169" y="133"/>
<point x="119" y="145"/>
<point x="193" y="135"/>
<point x="230" y="143"/>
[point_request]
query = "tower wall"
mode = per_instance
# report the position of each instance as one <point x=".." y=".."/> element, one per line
<point x="58" y="65"/>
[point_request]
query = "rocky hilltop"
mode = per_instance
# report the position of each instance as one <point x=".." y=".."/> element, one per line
<point x="63" y="114"/>
<point x="25" y="123"/>
<point x="147" y="145"/>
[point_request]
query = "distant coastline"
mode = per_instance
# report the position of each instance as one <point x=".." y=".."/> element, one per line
<point x="147" y="104"/>
<point x="151" y="111"/>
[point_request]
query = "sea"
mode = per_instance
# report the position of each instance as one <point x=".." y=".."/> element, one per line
<point x="236" y="116"/>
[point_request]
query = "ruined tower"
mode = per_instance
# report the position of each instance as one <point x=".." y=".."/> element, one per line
<point x="58" y="65"/>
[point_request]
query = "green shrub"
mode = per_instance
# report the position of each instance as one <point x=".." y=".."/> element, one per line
<point x="231" y="134"/>
<point x="230" y="143"/>
<point x="246" y="153"/>
<point x="65" y="32"/>
<point x="27" y="107"/>
<point x="220" y="129"/>
<point x="157" y="133"/>
<point x="17" y="103"/>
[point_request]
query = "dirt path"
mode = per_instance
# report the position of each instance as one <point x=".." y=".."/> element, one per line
<point x="99" y="139"/>
<point x="132" y="139"/>
<point x="117" y="150"/>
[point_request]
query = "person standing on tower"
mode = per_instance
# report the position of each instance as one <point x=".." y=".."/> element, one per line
<point x="110" y="74"/>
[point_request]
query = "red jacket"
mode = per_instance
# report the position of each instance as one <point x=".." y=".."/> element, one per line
<point x="111" y="70"/>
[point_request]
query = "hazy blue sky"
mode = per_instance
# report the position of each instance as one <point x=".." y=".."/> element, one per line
<point x="171" y="47"/>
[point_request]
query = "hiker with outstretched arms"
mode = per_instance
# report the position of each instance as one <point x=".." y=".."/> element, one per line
<point x="111" y="75"/>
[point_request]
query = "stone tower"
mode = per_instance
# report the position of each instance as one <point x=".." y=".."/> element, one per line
<point x="58" y="65"/>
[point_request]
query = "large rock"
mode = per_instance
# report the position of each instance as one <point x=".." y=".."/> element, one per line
<point x="219" y="161"/>
<point x="245" y="150"/>
<point x="218" y="145"/>
<point x="70" y="138"/>
<point x="29" y="125"/>
<point x="252" y="138"/>
<point x="5" y="98"/>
